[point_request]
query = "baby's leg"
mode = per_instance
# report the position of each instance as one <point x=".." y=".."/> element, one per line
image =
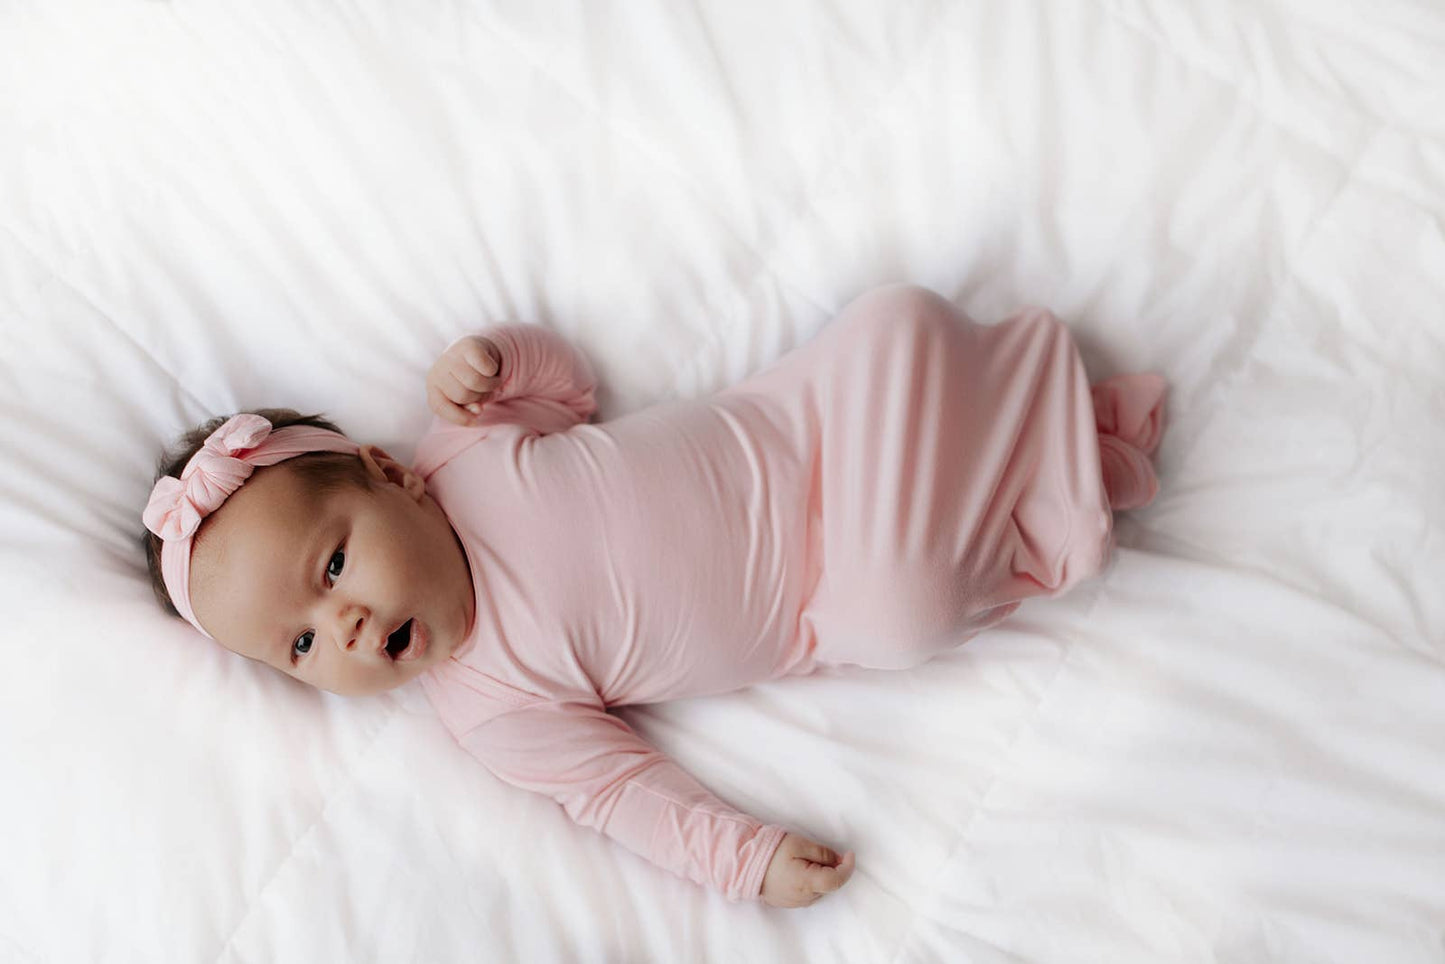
<point x="902" y="620"/>
<point x="960" y="474"/>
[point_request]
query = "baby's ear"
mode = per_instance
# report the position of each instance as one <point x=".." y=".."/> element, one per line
<point x="383" y="468"/>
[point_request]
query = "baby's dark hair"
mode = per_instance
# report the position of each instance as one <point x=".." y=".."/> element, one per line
<point x="323" y="471"/>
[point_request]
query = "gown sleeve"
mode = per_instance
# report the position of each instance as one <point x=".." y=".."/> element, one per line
<point x="608" y="778"/>
<point x="547" y="383"/>
<point x="547" y="386"/>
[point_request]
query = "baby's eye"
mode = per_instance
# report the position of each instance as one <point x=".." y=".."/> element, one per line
<point x="302" y="645"/>
<point x="338" y="562"/>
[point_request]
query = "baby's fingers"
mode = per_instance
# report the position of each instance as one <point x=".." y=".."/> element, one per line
<point x="446" y="408"/>
<point x="468" y="379"/>
<point x="824" y="879"/>
<point x="482" y="356"/>
<point x="460" y="390"/>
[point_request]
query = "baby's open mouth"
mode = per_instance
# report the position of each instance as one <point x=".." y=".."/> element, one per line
<point x="397" y="642"/>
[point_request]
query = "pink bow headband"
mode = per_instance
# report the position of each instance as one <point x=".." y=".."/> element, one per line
<point x="226" y="460"/>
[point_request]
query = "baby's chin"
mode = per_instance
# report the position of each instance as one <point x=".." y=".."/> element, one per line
<point x="360" y="691"/>
<point x="372" y="686"/>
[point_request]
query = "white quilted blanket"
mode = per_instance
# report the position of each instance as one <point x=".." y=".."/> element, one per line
<point x="1229" y="748"/>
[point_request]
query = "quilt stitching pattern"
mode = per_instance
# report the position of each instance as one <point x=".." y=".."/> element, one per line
<point x="797" y="214"/>
<point x="101" y="313"/>
<point x="1113" y="11"/>
<point x="1023" y="731"/>
<point x="346" y="784"/>
<point x="800" y="215"/>
<point x="1230" y="366"/>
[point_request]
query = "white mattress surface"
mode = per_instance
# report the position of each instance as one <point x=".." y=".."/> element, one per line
<point x="1230" y="747"/>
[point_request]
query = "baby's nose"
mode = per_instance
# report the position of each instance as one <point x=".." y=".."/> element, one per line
<point x="351" y="622"/>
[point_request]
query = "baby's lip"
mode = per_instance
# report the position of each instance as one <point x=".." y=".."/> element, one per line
<point x="395" y="644"/>
<point x="416" y="647"/>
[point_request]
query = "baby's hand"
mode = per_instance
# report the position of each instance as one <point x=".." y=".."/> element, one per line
<point x="802" y="871"/>
<point x="463" y="378"/>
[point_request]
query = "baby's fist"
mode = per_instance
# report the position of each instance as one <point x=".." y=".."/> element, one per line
<point x="463" y="378"/>
<point x="803" y="870"/>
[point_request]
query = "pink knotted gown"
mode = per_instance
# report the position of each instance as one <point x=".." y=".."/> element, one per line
<point x="883" y="492"/>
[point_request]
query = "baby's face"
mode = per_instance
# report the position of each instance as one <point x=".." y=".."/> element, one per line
<point x="354" y="591"/>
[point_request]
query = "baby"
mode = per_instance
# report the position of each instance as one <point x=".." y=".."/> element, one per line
<point x="880" y="494"/>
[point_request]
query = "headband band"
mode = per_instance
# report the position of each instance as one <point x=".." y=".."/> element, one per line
<point x="220" y="467"/>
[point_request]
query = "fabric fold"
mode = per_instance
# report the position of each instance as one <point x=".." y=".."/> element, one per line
<point x="1129" y="416"/>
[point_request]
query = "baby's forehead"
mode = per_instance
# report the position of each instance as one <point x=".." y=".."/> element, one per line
<point x="272" y="512"/>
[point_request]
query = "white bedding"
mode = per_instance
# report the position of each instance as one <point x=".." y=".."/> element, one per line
<point x="1229" y="748"/>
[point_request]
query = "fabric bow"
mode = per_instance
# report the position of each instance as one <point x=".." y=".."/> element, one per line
<point x="178" y="506"/>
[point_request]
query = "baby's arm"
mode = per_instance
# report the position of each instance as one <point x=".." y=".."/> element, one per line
<point x="538" y="371"/>
<point x="607" y="777"/>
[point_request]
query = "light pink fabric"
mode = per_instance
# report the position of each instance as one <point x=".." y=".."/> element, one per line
<point x="883" y="492"/>
<point x="1129" y="413"/>
<point x="178" y="506"/>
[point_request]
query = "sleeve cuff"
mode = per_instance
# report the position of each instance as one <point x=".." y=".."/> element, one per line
<point x="768" y="840"/>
